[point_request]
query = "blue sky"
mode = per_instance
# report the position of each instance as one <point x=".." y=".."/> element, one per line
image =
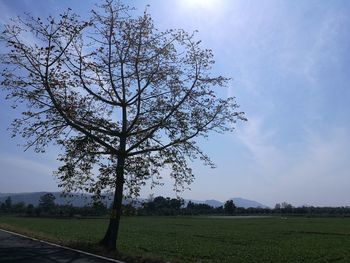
<point x="290" y="68"/>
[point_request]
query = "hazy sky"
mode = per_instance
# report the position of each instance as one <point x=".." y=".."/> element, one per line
<point x="290" y="64"/>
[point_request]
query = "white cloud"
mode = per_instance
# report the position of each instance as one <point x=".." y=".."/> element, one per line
<point x="20" y="174"/>
<point x="314" y="172"/>
<point x="259" y="141"/>
<point x="317" y="47"/>
<point x="321" y="175"/>
<point x="20" y="163"/>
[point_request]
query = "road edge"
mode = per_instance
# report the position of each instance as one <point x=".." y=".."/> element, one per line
<point x="60" y="246"/>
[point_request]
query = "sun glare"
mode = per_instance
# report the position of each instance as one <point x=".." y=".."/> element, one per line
<point x="200" y="4"/>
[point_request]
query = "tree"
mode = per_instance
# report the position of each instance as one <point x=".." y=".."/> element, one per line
<point x="30" y="209"/>
<point x="193" y="208"/>
<point x="116" y="94"/>
<point x="128" y="210"/>
<point x="99" y="207"/>
<point x="285" y="205"/>
<point x="229" y="207"/>
<point x="18" y="207"/>
<point x="278" y="206"/>
<point x="163" y="206"/>
<point x="8" y="204"/>
<point x="47" y="202"/>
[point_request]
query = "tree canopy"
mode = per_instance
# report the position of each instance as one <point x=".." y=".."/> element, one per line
<point x="47" y="202"/>
<point x="229" y="207"/>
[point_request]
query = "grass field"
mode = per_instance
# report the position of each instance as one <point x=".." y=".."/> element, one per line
<point x="195" y="239"/>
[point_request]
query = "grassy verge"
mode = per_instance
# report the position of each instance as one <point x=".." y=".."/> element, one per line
<point x="198" y="239"/>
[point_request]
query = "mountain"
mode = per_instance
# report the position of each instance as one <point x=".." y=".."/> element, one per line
<point x="241" y="202"/>
<point x="213" y="203"/>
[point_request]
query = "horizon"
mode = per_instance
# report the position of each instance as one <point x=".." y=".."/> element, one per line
<point x="203" y="200"/>
<point x="289" y="63"/>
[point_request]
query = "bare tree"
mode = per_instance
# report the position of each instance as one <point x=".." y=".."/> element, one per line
<point x="118" y="95"/>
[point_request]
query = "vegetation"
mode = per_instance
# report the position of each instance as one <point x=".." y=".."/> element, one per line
<point x="205" y="239"/>
<point x="229" y="207"/>
<point x="48" y="208"/>
<point x="161" y="206"/>
<point x="216" y="237"/>
<point x="119" y="96"/>
<point x="47" y="203"/>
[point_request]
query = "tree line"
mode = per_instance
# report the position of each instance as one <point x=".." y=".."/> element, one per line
<point x="47" y="208"/>
<point x="159" y="206"/>
<point x="167" y="206"/>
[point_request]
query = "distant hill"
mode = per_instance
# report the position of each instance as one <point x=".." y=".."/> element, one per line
<point x="241" y="202"/>
<point x="85" y="199"/>
<point x="213" y="203"/>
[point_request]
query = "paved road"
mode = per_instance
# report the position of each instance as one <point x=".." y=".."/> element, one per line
<point x="15" y="248"/>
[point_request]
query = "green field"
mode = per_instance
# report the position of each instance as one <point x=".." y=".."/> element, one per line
<point x="200" y="239"/>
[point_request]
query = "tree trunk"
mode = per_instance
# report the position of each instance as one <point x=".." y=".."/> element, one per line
<point x="110" y="239"/>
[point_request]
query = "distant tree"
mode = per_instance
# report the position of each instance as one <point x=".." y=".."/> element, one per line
<point x="190" y="205"/>
<point x="200" y="209"/>
<point x="286" y="205"/>
<point x="219" y="210"/>
<point x="2" y="207"/>
<point x="115" y="93"/>
<point x="286" y="208"/>
<point x="19" y="207"/>
<point x="162" y="206"/>
<point x="37" y="211"/>
<point x="129" y="210"/>
<point x="30" y="209"/>
<point x="47" y="202"/>
<point x="176" y="203"/>
<point x="99" y="207"/>
<point x="278" y="206"/>
<point x="8" y="203"/>
<point x="229" y="207"/>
